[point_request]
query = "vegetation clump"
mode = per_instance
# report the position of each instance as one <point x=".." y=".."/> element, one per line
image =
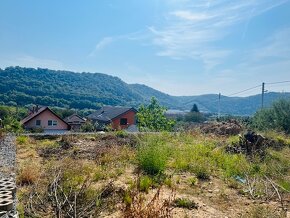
<point x="152" y="156"/>
<point x="277" y="117"/>
<point x="185" y="203"/>
<point x="152" y="118"/>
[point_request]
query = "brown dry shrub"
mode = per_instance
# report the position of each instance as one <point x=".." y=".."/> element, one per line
<point x="28" y="174"/>
<point x="137" y="204"/>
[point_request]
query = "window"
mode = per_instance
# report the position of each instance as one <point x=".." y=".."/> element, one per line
<point x="38" y="122"/>
<point x="52" y="122"/>
<point x="123" y="121"/>
<point x="49" y="123"/>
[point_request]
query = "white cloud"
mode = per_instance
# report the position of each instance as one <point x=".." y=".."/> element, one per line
<point x="104" y="42"/>
<point x="188" y="15"/>
<point x="192" y="29"/>
<point x="101" y="45"/>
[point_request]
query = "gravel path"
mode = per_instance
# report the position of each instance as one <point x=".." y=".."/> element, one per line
<point x="7" y="156"/>
<point x="8" y="167"/>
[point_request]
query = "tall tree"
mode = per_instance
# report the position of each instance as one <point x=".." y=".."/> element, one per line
<point x="194" y="108"/>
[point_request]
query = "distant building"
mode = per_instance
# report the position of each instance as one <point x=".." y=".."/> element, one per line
<point x="117" y="117"/>
<point x="75" y="121"/>
<point x="44" y="118"/>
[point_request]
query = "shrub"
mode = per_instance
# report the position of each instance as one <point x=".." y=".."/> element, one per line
<point x="136" y="205"/>
<point x="185" y="203"/>
<point x="276" y="117"/>
<point x="145" y="183"/>
<point x="152" y="156"/>
<point x="87" y="127"/>
<point x="168" y="182"/>
<point x="192" y="181"/>
<point x="121" y="134"/>
<point x="28" y="174"/>
<point x="202" y="173"/>
<point x="21" y="140"/>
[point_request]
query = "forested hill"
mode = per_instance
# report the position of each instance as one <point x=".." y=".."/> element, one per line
<point x="24" y="86"/>
<point x="64" y="89"/>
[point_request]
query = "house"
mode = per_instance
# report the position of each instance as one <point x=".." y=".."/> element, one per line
<point x="45" y="119"/>
<point x="117" y="117"/>
<point x="75" y="121"/>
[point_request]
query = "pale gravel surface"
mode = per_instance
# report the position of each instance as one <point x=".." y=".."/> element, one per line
<point x="8" y="164"/>
<point x="7" y="156"/>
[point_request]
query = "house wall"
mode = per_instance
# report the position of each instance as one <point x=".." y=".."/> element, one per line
<point x="131" y="119"/>
<point x="44" y="117"/>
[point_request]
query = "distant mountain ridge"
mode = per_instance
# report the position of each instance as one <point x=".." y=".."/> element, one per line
<point x="23" y="86"/>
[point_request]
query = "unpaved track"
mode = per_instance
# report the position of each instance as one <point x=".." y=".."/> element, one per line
<point x="8" y="166"/>
<point x="7" y="157"/>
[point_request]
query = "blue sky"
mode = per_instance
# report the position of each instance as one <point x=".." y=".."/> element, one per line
<point x="181" y="47"/>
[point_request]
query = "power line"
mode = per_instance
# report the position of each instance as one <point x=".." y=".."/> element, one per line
<point x="244" y="90"/>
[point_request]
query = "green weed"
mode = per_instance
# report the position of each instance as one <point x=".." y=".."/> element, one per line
<point x="145" y="183"/>
<point x="21" y="140"/>
<point x="152" y="156"/>
<point x="185" y="203"/>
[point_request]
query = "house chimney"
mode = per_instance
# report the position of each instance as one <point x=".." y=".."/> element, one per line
<point x="36" y="108"/>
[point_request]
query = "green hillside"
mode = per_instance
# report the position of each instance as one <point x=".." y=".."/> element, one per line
<point x="24" y="86"/>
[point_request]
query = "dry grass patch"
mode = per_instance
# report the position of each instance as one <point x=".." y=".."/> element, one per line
<point x="28" y="174"/>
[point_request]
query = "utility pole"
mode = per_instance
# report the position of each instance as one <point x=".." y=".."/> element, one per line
<point x="219" y="109"/>
<point x="263" y="92"/>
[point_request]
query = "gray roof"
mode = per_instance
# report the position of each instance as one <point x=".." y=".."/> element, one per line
<point x="107" y="113"/>
<point x="74" y="118"/>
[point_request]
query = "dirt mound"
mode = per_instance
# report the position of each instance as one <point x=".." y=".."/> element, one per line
<point x="231" y="127"/>
<point x="253" y="144"/>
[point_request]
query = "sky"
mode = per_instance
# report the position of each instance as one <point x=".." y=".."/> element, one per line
<point x="180" y="47"/>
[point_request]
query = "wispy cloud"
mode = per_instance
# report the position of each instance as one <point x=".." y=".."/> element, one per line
<point x="276" y="46"/>
<point x="101" y="45"/>
<point x="107" y="41"/>
<point x="104" y="42"/>
<point x="192" y="30"/>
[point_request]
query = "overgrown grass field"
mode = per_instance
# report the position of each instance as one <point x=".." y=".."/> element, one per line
<point x="150" y="175"/>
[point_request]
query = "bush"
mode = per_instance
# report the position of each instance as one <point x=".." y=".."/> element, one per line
<point x="145" y="183"/>
<point x="12" y="125"/>
<point x="87" y="127"/>
<point x="152" y="156"/>
<point x="28" y="174"/>
<point x="21" y="140"/>
<point x="185" y="203"/>
<point x="276" y="117"/>
<point x="121" y="134"/>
